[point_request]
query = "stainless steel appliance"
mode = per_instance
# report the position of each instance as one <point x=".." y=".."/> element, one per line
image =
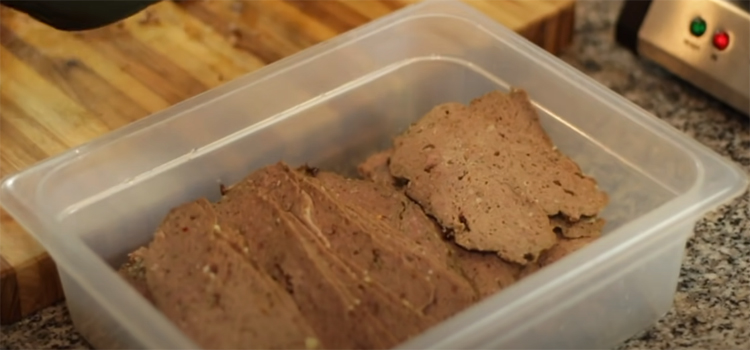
<point x="705" y="42"/>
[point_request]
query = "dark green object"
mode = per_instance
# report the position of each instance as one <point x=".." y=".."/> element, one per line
<point x="698" y="26"/>
<point x="78" y="15"/>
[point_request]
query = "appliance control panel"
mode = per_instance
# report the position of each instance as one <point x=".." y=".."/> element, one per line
<point x="705" y="42"/>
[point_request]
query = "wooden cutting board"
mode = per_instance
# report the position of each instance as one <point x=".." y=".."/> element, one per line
<point x="59" y="90"/>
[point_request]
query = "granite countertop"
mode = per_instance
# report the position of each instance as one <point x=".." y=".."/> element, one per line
<point x="711" y="309"/>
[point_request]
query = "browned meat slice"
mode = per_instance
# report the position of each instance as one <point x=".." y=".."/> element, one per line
<point x="319" y="289"/>
<point x="387" y="256"/>
<point x="489" y="172"/>
<point x="392" y="317"/>
<point x="420" y="277"/>
<point x="389" y="206"/>
<point x="586" y="227"/>
<point x="449" y="158"/>
<point x="571" y="237"/>
<point x="486" y="272"/>
<point x="375" y="168"/>
<point x="190" y="271"/>
<point x="403" y="320"/>
<point x="532" y="165"/>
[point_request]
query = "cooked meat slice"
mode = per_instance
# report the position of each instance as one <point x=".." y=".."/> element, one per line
<point x="400" y="262"/>
<point x="372" y="245"/>
<point x="390" y="206"/>
<point x="190" y="272"/>
<point x="317" y="285"/>
<point x="531" y="163"/>
<point x="449" y="160"/>
<point x="383" y="315"/>
<point x="395" y="319"/>
<point x="375" y="168"/>
<point x="487" y="272"/>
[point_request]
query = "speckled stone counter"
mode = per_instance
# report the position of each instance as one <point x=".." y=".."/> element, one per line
<point x="712" y="305"/>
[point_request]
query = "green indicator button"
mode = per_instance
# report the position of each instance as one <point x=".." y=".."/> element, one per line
<point x="698" y="26"/>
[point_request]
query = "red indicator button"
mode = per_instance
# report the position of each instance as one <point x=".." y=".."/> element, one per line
<point x="721" y="40"/>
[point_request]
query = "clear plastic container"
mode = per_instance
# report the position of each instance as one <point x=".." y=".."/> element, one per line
<point x="333" y="104"/>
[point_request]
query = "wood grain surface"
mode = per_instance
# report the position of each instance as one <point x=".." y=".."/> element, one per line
<point x="61" y="89"/>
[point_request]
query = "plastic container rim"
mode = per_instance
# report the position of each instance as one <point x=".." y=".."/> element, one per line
<point x="163" y="334"/>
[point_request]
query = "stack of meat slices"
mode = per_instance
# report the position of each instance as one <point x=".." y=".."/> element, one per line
<point x="469" y="200"/>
